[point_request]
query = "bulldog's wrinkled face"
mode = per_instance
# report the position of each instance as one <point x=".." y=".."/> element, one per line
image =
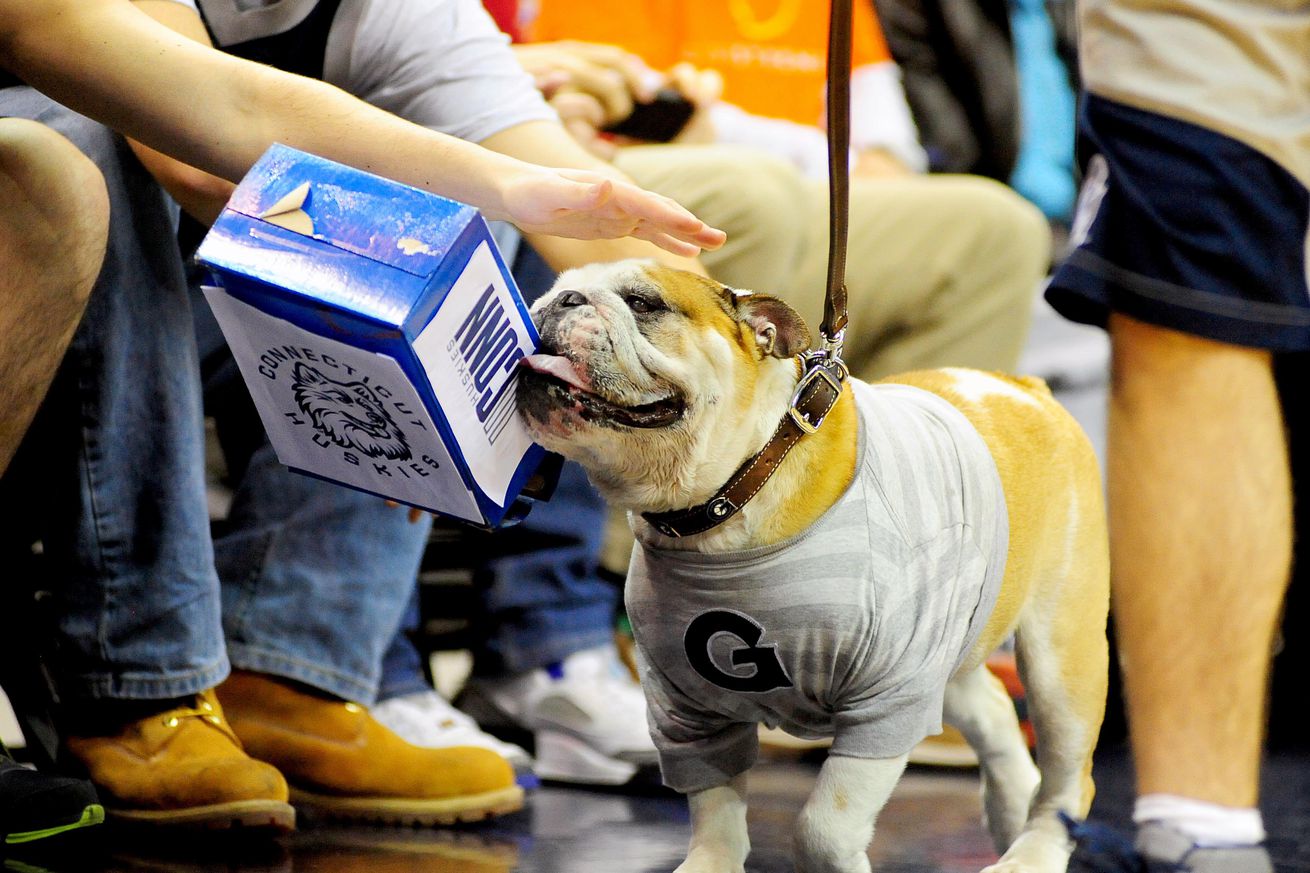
<point x="637" y="361"/>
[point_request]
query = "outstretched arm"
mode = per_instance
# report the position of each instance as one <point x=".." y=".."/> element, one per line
<point x="219" y="113"/>
<point x="202" y="195"/>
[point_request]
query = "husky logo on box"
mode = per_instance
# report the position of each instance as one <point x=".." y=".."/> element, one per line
<point x="349" y="414"/>
<point x="341" y="412"/>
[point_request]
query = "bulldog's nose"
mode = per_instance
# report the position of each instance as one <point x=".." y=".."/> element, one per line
<point x="571" y="298"/>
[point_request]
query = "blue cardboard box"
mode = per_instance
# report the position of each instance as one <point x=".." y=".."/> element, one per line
<point x="379" y="333"/>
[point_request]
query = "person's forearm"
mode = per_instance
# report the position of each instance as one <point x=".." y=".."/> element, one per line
<point x="549" y="144"/>
<point x="253" y="107"/>
<point x="202" y="195"/>
<point x="109" y="60"/>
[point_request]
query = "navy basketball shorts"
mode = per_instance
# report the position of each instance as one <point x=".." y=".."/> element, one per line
<point x="1185" y="228"/>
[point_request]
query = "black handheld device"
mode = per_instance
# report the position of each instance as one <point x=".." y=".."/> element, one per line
<point x="660" y="120"/>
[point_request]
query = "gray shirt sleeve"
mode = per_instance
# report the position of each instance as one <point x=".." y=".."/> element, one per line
<point x="440" y="63"/>
<point x="698" y="749"/>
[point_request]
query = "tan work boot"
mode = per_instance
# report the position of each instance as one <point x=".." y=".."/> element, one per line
<point x="343" y="764"/>
<point x="184" y="768"/>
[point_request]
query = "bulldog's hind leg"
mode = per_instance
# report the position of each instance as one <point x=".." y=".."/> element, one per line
<point x="978" y="705"/>
<point x="1063" y="660"/>
<point x="836" y="825"/>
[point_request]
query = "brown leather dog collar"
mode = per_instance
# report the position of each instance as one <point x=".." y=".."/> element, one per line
<point x="816" y="393"/>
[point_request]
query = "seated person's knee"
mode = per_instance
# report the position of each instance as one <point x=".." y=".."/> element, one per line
<point x="54" y="199"/>
<point x="1018" y="225"/>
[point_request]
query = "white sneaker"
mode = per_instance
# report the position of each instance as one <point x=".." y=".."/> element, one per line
<point x="586" y="716"/>
<point x="426" y="719"/>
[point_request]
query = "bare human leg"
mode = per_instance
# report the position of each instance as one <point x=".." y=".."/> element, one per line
<point x="1200" y="531"/>
<point x="54" y="216"/>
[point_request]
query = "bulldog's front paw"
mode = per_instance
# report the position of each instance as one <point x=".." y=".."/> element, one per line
<point x="1016" y="866"/>
<point x="710" y="862"/>
<point x="1034" y="852"/>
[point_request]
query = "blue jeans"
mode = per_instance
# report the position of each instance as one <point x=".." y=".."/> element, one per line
<point x="114" y="468"/>
<point x="540" y="606"/>
<point x="112" y="475"/>
<point x="545" y="605"/>
<point x="315" y="577"/>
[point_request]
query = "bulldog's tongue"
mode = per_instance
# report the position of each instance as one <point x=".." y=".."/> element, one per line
<point x="560" y="367"/>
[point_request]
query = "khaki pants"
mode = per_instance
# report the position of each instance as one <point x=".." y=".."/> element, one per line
<point x="941" y="270"/>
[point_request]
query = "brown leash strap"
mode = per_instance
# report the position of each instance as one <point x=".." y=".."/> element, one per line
<point x="822" y="372"/>
<point x="839" y="149"/>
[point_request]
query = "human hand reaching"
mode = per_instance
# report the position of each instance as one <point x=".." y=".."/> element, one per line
<point x="588" y="205"/>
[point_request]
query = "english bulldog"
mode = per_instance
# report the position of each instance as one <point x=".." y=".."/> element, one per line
<point x="858" y="593"/>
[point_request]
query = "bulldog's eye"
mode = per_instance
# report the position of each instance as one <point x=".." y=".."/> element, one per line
<point x="642" y="305"/>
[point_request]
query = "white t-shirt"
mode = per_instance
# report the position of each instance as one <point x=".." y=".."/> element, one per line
<point x="440" y="63"/>
<point x="850" y="629"/>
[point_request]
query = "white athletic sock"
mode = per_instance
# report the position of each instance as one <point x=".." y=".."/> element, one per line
<point x="1209" y="824"/>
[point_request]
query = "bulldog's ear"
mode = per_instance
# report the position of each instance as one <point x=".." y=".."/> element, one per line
<point x="779" y="330"/>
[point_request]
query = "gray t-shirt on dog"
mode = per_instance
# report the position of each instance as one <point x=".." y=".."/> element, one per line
<point x="850" y="629"/>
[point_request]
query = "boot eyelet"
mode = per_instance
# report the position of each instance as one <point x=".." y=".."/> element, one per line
<point x="354" y="707"/>
<point x="172" y="722"/>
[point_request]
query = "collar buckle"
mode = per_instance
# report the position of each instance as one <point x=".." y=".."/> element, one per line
<point x="817" y="369"/>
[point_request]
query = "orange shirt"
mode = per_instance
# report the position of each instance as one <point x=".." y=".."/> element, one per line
<point x="771" y="53"/>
